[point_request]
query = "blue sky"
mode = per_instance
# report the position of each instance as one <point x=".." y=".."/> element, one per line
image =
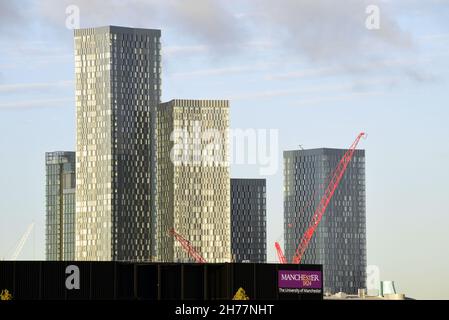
<point x="307" y="68"/>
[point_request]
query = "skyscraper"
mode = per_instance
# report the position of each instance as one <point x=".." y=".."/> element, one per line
<point x="339" y="243"/>
<point x="117" y="73"/>
<point x="193" y="179"/>
<point x="248" y="220"/>
<point x="60" y="205"/>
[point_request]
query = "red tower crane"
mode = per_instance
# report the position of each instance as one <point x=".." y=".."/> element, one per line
<point x="328" y="193"/>
<point x="187" y="246"/>
<point x="324" y="202"/>
<point x="281" y="256"/>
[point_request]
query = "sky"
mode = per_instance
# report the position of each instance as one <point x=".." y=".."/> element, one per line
<point x="310" y="70"/>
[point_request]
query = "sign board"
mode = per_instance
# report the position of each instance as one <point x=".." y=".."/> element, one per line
<point x="299" y="281"/>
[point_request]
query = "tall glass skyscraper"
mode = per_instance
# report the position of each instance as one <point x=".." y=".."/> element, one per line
<point x="249" y="220"/>
<point x="193" y="179"/>
<point x="339" y="243"/>
<point x="118" y="86"/>
<point x="60" y="206"/>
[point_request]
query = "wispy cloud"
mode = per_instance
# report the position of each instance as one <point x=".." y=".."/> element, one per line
<point x="336" y="32"/>
<point x="182" y="50"/>
<point x="322" y="30"/>
<point x="208" y="21"/>
<point x="11" y="14"/>
<point x="412" y="68"/>
<point x="28" y="87"/>
<point x="206" y="49"/>
<point x="312" y="92"/>
<point x="338" y="98"/>
<point x="258" y="95"/>
<point x="37" y="103"/>
<point x="306" y="73"/>
<point x="220" y="71"/>
<point x="7" y="66"/>
<point x="435" y="37"/>
<point x="318" y="32"/>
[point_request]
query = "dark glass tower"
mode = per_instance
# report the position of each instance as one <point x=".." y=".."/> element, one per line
<point x="339" y="242"/>
<point x="248" y="220"/>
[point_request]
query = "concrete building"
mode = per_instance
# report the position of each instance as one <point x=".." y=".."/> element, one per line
<point x="193" y="179"/>
<point x="117" y="74"/>
<point x="248" y="220"/>
<point x="60" y="206"/>
<point x="339" y="242"/>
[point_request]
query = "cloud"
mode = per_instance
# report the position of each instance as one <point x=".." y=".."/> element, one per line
<point x="10" y="13"/>
<point x="306" y="73"/>
<point x="323" y="30"/>
<point x="203" y="20"/>
<point x="220" y="71"/>
<point x="36" y="95"/>
<point x="182" y="50"/>
<point x="24" y="88"/>
<point x="36" y="103"/>
<point x="34" y="48"/>
<point x="338" y="98"/>
<point x="317" y="29"/>
<point x="208" y="20"/>
<point x="29" y="54"/>
<point x="423" y="77"/>
<point x="413" y="68"/>
<point x="435" y="37"/>
<point x="350" y="88"/>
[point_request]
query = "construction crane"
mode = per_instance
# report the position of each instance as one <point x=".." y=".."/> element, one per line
<point x="328" y="193"/>
<point x="280" y="253"/>
<point x="281" y="256"/>
<point x="22" y="242"/>
<point x="187" y="246"/>
<point x="324" y="202"/>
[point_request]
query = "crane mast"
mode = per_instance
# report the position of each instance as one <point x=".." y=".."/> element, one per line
<point x="22" y="242"/>
<point x="280" y="254"/>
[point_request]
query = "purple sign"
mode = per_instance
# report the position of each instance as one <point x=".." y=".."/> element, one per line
<point x="299" y="279"/>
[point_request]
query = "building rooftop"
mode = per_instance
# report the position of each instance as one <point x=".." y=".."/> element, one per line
<point x="318" y="151"/>
<point x="116" y="29"/>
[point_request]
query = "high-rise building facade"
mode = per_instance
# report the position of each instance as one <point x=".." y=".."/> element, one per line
<point x="339" y="243"/>
<point x="117" y="74"/>
<point x="60" y="206"/>
<point x="193" y="179"/>
<point x="248" y="220"/>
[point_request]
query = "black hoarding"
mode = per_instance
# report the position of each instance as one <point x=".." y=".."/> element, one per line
<point x="36" y="280"/>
